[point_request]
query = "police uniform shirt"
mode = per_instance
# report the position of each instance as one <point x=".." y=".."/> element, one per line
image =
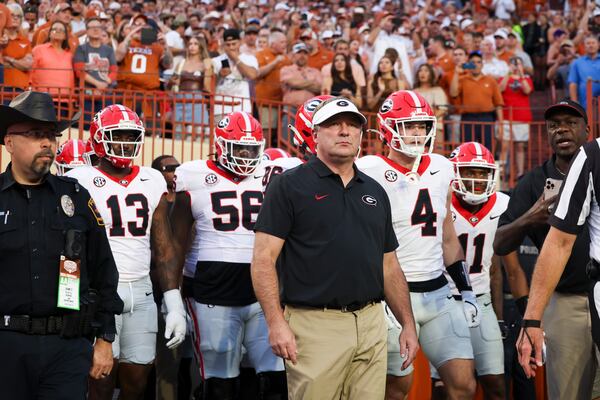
<point x="526" y="193"/>
<point x="335" y="236"/>
<point x="577" y="202"/>
<point x="33" y="224"/>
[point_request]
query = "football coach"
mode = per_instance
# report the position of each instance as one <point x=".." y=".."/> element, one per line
<point x="328" y="228"/>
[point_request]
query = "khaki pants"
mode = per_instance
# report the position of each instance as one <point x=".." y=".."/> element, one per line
<point x="571" y="361"/>
<point x="340" y="355"/>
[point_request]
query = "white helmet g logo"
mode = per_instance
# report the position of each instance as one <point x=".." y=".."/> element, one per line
<point x="223" y="123"/>
<point x="386" y="106"/>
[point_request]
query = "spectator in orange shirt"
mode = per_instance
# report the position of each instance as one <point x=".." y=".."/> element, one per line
<point x="62" y="13"/>
<point x="318" y="56"/>
<point x="52" y="68"/>
<point x="481" y="101"/>
<point x="16" y="51"/>
<point x="268" y="86"/>
<point x="139" y="68"/>
<point x="440" y="58"/>
<point x="502" y="51"/>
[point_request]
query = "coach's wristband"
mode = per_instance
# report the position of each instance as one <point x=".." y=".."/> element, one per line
<point x="531" y="323"/>
<point x="521" y="303"/>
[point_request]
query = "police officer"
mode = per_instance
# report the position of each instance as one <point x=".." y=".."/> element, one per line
<point x="58" y="279"/>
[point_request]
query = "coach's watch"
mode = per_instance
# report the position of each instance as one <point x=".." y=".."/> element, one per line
<point x="107" y="337"/>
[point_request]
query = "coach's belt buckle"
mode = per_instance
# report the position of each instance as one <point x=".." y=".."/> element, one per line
<point x="353" y="307"/>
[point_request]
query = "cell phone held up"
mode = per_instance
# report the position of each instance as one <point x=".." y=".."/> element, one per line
<point x="468" y="65"/>
<point x="225" y="63"/>
<point x="148" y="36"/>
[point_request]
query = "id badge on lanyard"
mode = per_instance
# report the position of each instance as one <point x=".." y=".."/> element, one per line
<point x="68" y="284"/>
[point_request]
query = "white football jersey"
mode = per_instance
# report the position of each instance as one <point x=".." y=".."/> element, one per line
<point x="126" y="206"/>
<point x="418" y="210"/>
<point x="268" y="169"/>
<point x="476" y="233"/>
<point x="224" y="207"/>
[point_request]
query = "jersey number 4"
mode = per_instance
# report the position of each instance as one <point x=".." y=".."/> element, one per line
<point x="423" y="214"/>
<point x="478" y="242"/>
<point x="251" y="201"/>
<point x="142" y="211"/>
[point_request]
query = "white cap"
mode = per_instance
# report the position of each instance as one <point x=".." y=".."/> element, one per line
<point x="502" y="33"/>
<point x="114" y="6"/>
<point x="333" y="107"/>
<point x="596" y="12"/>
<point x="327" y="35"/>
<point x="212" y="14"/>
<point x="363" y="28"/>
<point x="359" y="10"/>
<point x="282" y="6"/>
<point x="465" y="23"/>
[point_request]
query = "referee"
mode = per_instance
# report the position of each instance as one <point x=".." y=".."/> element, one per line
<point x="58" y="279"/>
<point x="576" y="205"/>
<point x="330" y="225"/>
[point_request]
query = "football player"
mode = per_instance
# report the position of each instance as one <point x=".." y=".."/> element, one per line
<point x="418" y="185"/>
<point x="302" y="134"/>
<point x="475" y="209"/>
<point x="222" y="197"/>
<point x="132" y="203"/>
<point x="70" y="155"/>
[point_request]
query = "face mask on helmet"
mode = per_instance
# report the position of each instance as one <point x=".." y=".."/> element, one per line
<point x="407" y="123"/>
<point x="475" y="184"/>
<point x="123" y="143"/>
<point x="118" y="135"/>
<point x="240" y="157"/>
<point x="411" y="137"/>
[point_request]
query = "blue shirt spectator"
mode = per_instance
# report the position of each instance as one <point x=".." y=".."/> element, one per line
<point x="587" y="66"/>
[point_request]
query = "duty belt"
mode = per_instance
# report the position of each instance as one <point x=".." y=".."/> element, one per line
<point x="32" y="325"/>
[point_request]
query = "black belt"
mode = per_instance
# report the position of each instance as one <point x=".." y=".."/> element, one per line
<point x="32" y="325"/>
<point x="352" y="307"/>
<point x="459" y="297"/>
<point x="428" y="286"/>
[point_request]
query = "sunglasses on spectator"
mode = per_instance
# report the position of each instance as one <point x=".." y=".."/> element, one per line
<point x="169" y="168"/>
<point x="60" y="30"/>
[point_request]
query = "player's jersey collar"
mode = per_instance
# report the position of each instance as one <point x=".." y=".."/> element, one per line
<point x="423" y="165"/>
<point x="224" y="173"/>
<point x="474" y="219"/>
<point x="126" y="180"/>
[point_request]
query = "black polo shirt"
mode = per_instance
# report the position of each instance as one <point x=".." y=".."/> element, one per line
<point x="526" y="193"/>
<point x="335" y="236"/>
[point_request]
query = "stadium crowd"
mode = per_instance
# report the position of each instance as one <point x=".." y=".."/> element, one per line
<point x="468" y="69"/>
<point x="254" y="55"/>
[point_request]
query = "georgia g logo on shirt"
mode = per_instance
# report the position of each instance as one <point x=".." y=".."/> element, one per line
<point x="369" y="200"/>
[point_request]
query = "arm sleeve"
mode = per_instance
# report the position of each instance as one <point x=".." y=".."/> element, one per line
<point x="276" y="216"/>
<point x="574" y="202"/>
<point x="103" y="273"/>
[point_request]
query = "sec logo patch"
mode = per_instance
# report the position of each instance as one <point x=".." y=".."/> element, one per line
<point x="99" y="181"/>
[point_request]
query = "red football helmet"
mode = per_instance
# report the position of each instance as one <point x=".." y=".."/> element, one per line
<point x="401" y="108"/>
<point x="474" y="188"/>
<point x="90" y="155"/>
<point x="303" y="128"/>
<point x="69" y="155"/>
<point x="239" y="143"/>
<point x="273" y="153"/>
<point x="107" y="129"/>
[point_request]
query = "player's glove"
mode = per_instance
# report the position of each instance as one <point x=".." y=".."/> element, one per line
<point x="175" y="322"/>
<point x="471" y="308"/>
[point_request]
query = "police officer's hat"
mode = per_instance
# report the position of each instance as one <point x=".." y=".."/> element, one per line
<point x="32" y="107"/>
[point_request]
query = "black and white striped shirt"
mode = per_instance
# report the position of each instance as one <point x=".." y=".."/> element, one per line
<point x="577" y="201"/>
